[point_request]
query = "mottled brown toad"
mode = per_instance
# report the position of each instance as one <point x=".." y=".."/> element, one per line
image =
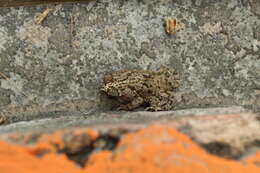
<point x="134" y="88"/>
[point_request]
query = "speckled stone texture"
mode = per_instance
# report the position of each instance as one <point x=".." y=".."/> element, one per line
<point x="58" y="65"/>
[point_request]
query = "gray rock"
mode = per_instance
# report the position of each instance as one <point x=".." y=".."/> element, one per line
<point x="58" y="65"/>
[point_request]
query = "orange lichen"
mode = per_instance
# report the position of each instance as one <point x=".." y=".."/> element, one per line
<point x="157" y="149"/>
<point x="15" y="159"/>
<point x="254" y="159"/>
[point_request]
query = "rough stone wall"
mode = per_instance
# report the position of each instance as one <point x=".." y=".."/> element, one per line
<point x="58" y="65"/>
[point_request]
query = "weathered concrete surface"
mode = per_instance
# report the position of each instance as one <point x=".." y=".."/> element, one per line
<point x="58" y="65"/>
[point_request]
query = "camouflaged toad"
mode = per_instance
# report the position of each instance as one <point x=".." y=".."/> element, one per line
<point x="134" y="88"/>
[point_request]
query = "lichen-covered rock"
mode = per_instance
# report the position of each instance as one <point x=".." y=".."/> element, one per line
<point x="158" y="148"/>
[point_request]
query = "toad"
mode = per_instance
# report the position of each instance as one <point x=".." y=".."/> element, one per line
<point x="134" y="88"/>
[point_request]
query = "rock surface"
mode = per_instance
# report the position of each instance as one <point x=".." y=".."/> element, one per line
<point x="51" y="73"/>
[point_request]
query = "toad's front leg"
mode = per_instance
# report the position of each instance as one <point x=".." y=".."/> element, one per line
<point x="132" y="105"/>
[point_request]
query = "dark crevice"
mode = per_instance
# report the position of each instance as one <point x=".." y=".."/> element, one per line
<point x="79" y="148"/>
<point x="228" y="151"/>
<point x="81" y="157"/>
<point x="222" y="149"/>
